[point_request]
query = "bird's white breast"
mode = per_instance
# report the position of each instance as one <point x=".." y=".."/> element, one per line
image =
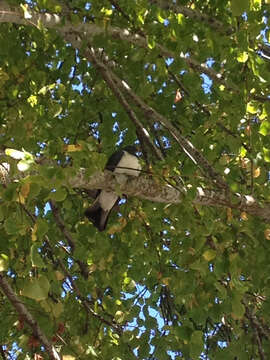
<point x="129" y="165"/>
<point x="107" y="199"/>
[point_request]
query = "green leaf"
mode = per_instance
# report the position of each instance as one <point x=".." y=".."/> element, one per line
<point x="238" y="309"/>
<point x="183" y="332"/>
<point x="265" y="128"/>
<point x="10" y="226"/>
<point x="35" y="256"/>
<point x="42" y="227"/>
<point x="151" y="42"/>
<point x="55" y="109"/>
<point x="36" y="288"/>
<point x="239" y="7"/>
<point x="59" y="194"/>
<point x="34" y="190"/>
<point x="266" y="153"/>
<point x="196" y="344"/>
<point x="92" y="351"/>
<point x="57" y="309"/>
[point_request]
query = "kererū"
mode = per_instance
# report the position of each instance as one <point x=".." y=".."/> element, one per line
<point x="124" y="161"/>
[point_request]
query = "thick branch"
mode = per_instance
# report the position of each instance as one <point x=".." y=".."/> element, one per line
<point x="22" y="311"/>
<point x="141" y="186"/>
<point x="243" y="203"/>
<point x="15" y="15"/>
<point x="149" y="189"/>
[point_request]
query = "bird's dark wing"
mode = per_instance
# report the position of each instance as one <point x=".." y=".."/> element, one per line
<point x="114" y="160"/>
<point x="97" y="216"/>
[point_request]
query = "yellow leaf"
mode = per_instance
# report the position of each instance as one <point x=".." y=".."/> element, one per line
<point x="20" y="199"/>
<point x="68" y="357"/>
<point x="26" y="13"/>
<point x="180" y="18"/>
<point x="34" y="233"/>
<point x="160" y="18"/>
<point x="132" y="215"/>
<point x="257" y="172"/>
<point x="244" y="216"/>
<point x="116" y="228"/>
<point x="25" y="190"/>
<point x="209" y="255"/>
<point x="3" y="262"/>
<point x="267" y="234"/>
<point x="165" y="281"/>
<point x="59" y="276"/>
<point x="107" y="12"/>
<point x="256" y="5"/>
<point x="229" y="215"/>
<point x="221" y="87"/>
<point x="32" y="100"/>
<point x="119" y="316"/>
<point x="242" y="57"/>
<point x="73" y="148"/>
<point x="251" y="108"/>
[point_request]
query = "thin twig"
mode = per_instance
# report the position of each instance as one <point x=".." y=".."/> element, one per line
<point x="61" y="225"/>
<point x="2" y="352"/>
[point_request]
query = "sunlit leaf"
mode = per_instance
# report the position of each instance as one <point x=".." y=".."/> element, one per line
<point x="35" y="256"/>
<point x="15" y="154"/>
<point x="265" y="128"/>
<point x="242" y="57"/>
<point x="209" y="255"/>
<point x="36" y="288"/>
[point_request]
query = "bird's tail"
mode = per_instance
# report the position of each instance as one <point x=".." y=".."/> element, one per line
<point x="97" y="216"/>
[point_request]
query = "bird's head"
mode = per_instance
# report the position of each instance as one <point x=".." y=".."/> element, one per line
<point x="132" y="149"/>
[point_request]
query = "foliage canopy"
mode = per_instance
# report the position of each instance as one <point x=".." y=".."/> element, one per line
<point x="189" y="82"/>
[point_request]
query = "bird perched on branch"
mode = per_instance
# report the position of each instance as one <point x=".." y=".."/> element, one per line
<point x="124" y="161"/>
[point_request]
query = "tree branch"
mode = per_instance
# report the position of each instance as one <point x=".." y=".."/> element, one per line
<point x="86" y="303"/>
<point x="194" y="14"/>
<point x="15" y="15"/>
<point x="22" y="311"/>
<point x="154" y="116"/>
<point x="149" y="189"/>
<point x="61" y="225"/>
<point x="141" y="186"/>
<point x="119" y="95"/>
<point x="2" y="352"/>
